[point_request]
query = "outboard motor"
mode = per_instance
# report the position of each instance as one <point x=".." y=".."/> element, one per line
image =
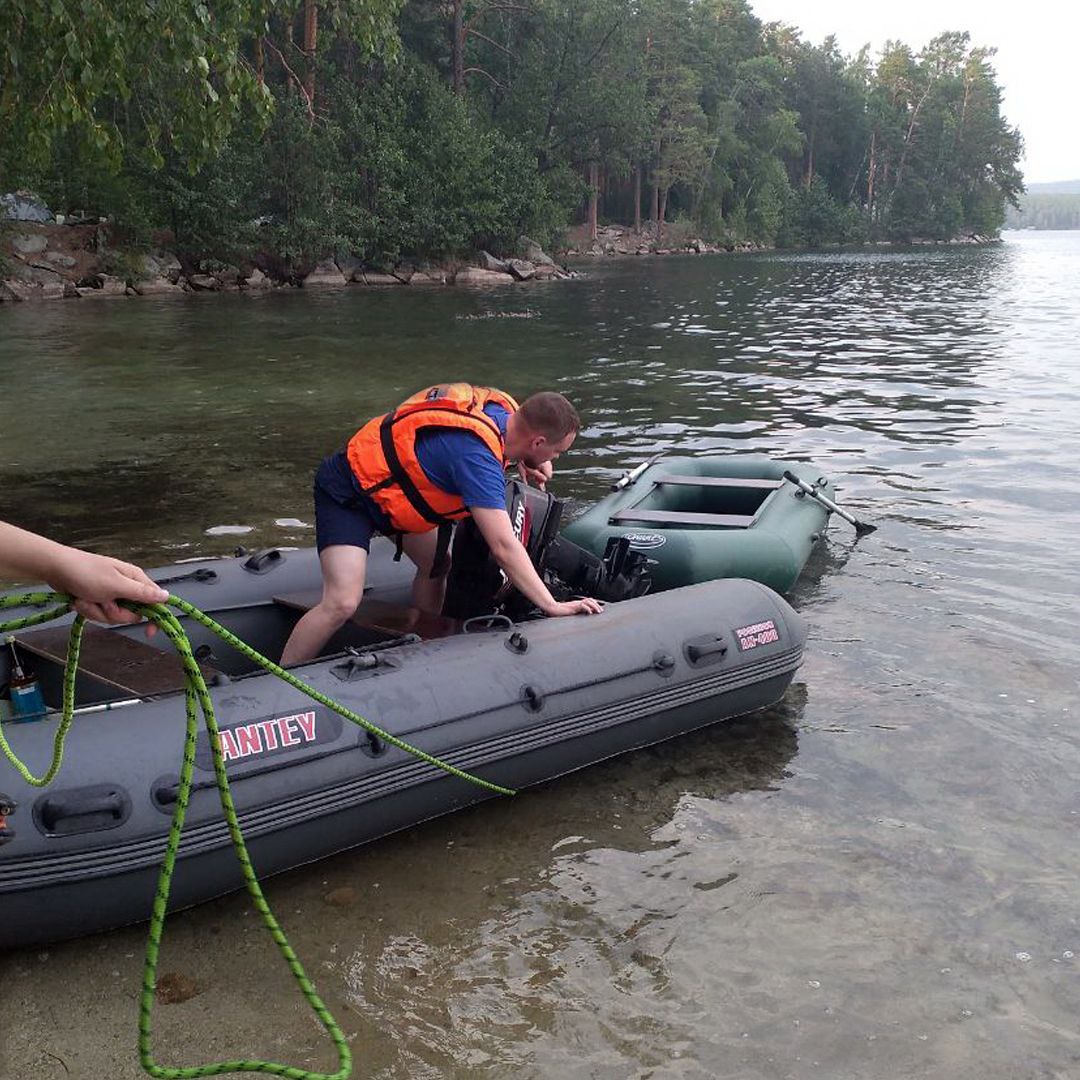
<point x="477" y="586"/>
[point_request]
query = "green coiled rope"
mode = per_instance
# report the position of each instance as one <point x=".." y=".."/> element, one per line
<point x="197" y="697"/>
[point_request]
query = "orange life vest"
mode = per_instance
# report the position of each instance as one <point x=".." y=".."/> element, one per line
<point x="382" y="454"/>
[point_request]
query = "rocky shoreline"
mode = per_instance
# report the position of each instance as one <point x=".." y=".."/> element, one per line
<point x="41" y="261"/>
<point x="57" y="259"/>
<point x="621" y="240"/>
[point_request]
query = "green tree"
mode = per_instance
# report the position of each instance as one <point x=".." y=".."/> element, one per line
<point x="168" y="74"/>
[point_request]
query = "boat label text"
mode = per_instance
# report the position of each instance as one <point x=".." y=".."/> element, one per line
<point x="761" y="633"/>
<point x="270" y="736"/>
<point x="643" y="541"/>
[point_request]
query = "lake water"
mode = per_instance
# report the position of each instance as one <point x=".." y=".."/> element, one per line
<point x="876" y="879"/>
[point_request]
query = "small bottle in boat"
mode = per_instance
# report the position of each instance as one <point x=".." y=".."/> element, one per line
<point x="27" y="701"/>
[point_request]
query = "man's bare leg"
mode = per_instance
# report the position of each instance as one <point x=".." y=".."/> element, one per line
<point x="427" y="592"/>
<point x="343" y="569"/>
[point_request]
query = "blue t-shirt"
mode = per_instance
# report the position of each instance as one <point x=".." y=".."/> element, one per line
<point x="460" y="462"/>
<point x="456" y="461"/>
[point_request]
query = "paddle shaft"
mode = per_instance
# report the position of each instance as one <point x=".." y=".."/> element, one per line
<point x="633" y="474"/>
<point x="861" y="527"/>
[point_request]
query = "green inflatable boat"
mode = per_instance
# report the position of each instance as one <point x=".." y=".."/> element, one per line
<point x="701" y="518"/>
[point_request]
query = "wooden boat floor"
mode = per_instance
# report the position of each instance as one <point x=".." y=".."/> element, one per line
<point x="111" y="658"/>
<point x="378" y="615"/>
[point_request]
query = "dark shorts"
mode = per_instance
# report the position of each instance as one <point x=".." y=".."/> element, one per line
<point x="342" y="514"/>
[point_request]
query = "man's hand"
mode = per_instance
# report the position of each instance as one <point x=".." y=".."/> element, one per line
<point x="536" y="477"/>
<point x="97" y="582"/>
<point x="495" y="527"/>
<point x="585" y="606"/>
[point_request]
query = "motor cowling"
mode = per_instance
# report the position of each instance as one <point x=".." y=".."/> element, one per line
<point x="477" y="585"/>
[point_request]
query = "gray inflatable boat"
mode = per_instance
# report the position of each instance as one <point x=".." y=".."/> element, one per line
<point x="516" y="702"/>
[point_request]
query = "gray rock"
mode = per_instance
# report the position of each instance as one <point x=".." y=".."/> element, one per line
<point x="534" y="252"/>
<point x="169" y="266"/>
<point x="108" y="288"/>
<point x="35" y="276"/>
<point x="351" y="267"/>
<point x="32" y="291"/>
<point x="258" y="280"/>
<point x="157" y="286"/>
<point x="204" y="282"/>
<point x="24" y="206"/>
<point x="474" y="275"/>
<point x="423" y="277"/>
<point x="112" y="286"/>
<point x="35" y="273"/>
<point x="226" y="273"/>
<point x="58" y="258"/>
<point x="148" y="267"/>
<point x="545" y="270"/>
<point x="522" y="269"/>
<point x="325" y="275"/>
<point x="29" y="243"/>
<point x="489" y="262"/>
<point x="372" y="277"/>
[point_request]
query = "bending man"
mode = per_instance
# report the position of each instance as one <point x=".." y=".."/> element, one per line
<point x="436" y="458"/>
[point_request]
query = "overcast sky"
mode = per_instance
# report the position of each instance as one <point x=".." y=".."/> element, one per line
<point x="1037" y="57"/>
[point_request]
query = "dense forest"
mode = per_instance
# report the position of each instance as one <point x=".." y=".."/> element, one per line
<point x="302" y="128"/>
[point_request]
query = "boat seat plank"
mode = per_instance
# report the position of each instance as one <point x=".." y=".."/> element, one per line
<point x="678" y="517"/>
<point x="384" y="618"/>
<point x="110" y="657"/>
<point x="719" y="481"/>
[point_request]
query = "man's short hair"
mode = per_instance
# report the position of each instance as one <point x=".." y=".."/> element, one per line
<point x="551" y="415"/>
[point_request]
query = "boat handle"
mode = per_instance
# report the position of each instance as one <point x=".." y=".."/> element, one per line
<point x="532" y="699"/>
<point x="362" y="665"/>
<point x="705" y="650"/>
<point x="7" y="806"/>
<point x="480" y="623"/>
<point x="102" y="806"/>
<point x="263" y="560"/>
<point x="204" y="573"/>
<point x="372" y="745"/>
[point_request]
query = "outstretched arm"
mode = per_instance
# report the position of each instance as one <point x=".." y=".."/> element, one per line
<point x="495" y="527"/>
<point x="95" y="581"/>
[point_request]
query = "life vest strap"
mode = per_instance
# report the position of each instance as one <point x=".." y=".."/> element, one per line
<point x="399" y="476"/>
<point x="440" y="564"/>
